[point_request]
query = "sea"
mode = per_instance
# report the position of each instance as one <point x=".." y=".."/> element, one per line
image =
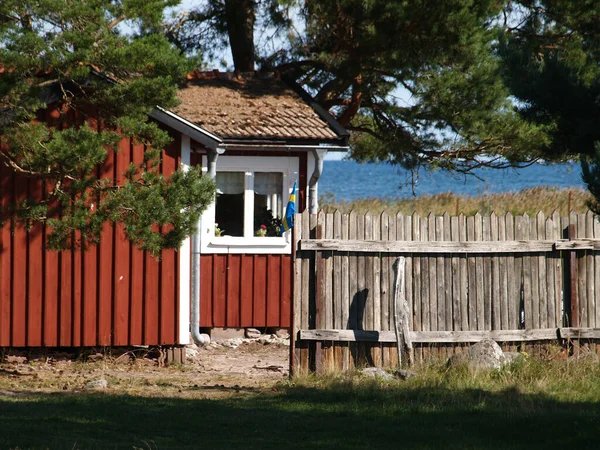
<point x="348" y="180"/>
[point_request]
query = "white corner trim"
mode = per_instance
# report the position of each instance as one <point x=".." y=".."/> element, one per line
<point x="185" y="127"/>
<point x="185" y="272"/>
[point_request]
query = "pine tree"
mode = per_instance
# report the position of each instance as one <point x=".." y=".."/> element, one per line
<point x="551" y="61"/>
<point x="357" y="57"/>
<point x="103" y="59"/>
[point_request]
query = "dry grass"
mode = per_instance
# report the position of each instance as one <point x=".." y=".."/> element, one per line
<point x="530" y="201"/>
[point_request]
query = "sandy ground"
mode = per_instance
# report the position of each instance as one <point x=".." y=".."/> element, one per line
<point x="219" y="369"/>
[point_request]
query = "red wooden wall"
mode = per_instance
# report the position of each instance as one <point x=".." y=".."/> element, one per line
<point x="111" y="294"/>
<point x="239" y="291"/>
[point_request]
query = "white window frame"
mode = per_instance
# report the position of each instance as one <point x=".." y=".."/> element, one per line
<point x="288" y="166"/>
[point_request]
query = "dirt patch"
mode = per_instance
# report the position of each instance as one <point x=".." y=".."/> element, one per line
<point x="228" y="368"/>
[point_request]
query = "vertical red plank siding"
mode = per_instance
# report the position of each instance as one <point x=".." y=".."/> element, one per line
<point x="19" y="273"/>
<point x="206" y="290"/>
<point x="77" y="296"/>
<point x="105" y="266"/>
<point x="90" y="297"/>
<point x="136" y="274"/>
<point x="260" y="290"/>
<point x="273" y="290"/>
<point x="121" y="258"/>
<point x="168" y="308"/>
<point x="152" y="305"/>
<point x="5" y="259"/>
<point x="51" y="280"/>
<point x="219" y="290"/>
<point x="233" y="290"/>
<point x="246" y="290"/>
<point x="112" y="294"/>
<point x="34" y="266"/>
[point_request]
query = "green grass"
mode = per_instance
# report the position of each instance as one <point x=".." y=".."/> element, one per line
<point x="530" y="201"/>
<point x="529" y="405"/>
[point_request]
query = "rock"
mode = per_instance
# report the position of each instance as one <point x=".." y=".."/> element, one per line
<point x="97" y="384"/>
<point x="15" y="359"/>
<point x="95" y="357"/>
<point x="191" y="352"/>
<point x="405" y="374"/>
<point x="265" y="341"/>
<point x="252" y="333"/>
<point x="485" y="354"/>
<point x="232" y="343"/>
<point x="377" y="373"/>
<point x="205" y="337"/>
<point x="282" y="333"/>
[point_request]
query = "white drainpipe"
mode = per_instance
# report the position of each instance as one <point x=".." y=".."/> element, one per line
<point x="199" y="338"/>
<point x="313" y="197"/>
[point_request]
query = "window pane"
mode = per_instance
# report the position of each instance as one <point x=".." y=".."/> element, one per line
<point x="268" y="209"/>
<point x="229" y="204"/>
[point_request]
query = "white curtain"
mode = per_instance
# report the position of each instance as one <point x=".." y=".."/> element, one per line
<point x="270" y="185"/>
<point x="230" y="182"/>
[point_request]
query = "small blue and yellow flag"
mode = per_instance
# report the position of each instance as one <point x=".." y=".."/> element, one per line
<point x="290" y="210"/>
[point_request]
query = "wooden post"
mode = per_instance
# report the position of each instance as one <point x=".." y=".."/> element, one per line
<point x="401" y="314"/>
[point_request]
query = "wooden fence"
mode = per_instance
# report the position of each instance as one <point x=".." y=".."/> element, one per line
<point x="519" y="280"/>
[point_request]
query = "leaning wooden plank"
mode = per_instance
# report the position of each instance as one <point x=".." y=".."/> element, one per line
<point x="448" y="336"/>
<point x="371" y="246"/>
<point x="401" y="315"/>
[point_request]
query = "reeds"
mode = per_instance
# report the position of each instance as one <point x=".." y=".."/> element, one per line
<point x="530" y="201"/>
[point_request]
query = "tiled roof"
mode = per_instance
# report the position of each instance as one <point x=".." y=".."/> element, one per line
<point x="249" y="106"/>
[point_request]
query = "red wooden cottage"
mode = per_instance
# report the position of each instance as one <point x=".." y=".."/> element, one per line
<point x="257" y="136"/>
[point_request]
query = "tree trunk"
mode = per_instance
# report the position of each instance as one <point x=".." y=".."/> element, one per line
<point x="240" y="28"/>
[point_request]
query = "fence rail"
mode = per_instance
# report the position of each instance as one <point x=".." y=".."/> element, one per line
<point x="512" y="278"/>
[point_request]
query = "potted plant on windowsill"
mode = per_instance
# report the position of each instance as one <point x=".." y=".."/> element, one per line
<point x="262" y="231"/>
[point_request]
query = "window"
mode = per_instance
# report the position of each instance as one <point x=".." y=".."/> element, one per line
<point x="252" y="193"/>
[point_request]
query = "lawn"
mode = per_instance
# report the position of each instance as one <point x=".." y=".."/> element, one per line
<point x="534" y="405"/>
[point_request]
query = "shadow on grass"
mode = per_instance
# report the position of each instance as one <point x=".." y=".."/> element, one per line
<point x="301" y="417"/>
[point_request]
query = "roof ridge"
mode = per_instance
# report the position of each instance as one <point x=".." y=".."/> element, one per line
<point x="233" y="75"/>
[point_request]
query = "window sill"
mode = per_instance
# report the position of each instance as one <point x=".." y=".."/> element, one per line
<point x="258" y="245"/>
